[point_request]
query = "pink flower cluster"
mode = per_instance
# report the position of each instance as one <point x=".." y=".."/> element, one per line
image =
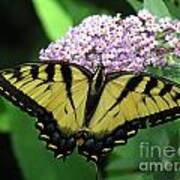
<point x="129" y="44"/>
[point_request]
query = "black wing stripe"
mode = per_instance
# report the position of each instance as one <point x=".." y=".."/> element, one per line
<point x="130" y="86"/>
<point x="67" y="78"/>
<point x="24" y="84"/>
<point x="50" y="69"/>
<point x="34" y="71"/>
<point x="177" y="96"/>
<point x="20" y="99"/>
<point x="150" y="85"/>
<point x="17" y="73"/>
<point x="166" y="89"/>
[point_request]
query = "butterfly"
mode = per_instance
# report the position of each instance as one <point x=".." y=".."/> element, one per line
<point x="94" y="112"/>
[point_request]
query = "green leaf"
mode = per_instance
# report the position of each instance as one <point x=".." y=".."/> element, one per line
<point x="156" y="7"/>
<point x="174" y="7"/>
<point x="36" y="162"/>
<point x="171" y="72"/>
<point x="137" y="5"/>
<point x="79" y="9"/>
<point x="5" y="115"/>
<point x="54" y="18"/>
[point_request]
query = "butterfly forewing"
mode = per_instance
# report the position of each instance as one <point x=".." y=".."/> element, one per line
<point x="129" y="98"/>
<point x="61" y="90"/>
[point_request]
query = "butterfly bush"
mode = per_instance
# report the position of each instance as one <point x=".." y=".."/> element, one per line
<point x="129" y="44"/>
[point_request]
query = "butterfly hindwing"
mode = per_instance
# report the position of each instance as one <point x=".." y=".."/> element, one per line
<point x="131" y="97"/>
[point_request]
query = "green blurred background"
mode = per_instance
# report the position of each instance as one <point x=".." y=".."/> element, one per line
<point x="26" y="27"/>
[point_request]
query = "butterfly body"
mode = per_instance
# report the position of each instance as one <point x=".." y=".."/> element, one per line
<point x="94" y="93"/>
<point x="91" y="111"/>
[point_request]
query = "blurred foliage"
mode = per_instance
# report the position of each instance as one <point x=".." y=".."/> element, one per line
<point x="136" y="4"/>
<point x="23" y="37"/>
<point x="173" y="7"/>
<point x="56" y="22"/>
<point x="157" y="7"/>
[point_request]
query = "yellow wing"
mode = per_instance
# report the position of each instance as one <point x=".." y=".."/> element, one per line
<point x="130" y="102"/>
<point x="53" y="90"/>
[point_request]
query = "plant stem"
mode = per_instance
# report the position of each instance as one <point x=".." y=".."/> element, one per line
<point x="100" y="169"/>
<point x="99" y="175"/>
